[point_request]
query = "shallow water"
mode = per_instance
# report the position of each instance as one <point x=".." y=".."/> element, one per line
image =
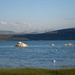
<point x="39" y="54"/>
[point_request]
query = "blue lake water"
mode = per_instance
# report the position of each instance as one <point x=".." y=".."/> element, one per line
<point x="39" y="54"/>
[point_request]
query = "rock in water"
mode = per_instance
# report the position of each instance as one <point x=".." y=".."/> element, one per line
<point x="20" y="44"/>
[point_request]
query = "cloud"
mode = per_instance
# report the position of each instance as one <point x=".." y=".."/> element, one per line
<point x="25" y="27"/>
<point x="3" y="22"/>
<point x="14" y="24"/>
<point x="22" y="27"/>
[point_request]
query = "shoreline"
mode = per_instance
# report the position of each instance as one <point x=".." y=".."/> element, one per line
<point x="36" y="71"/>
<point x="63" y="67"/>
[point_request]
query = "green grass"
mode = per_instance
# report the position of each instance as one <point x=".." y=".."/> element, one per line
<point x="33" y="71"/>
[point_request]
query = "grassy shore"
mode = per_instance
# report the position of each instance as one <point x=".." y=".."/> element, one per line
<point x="33" y="71"/>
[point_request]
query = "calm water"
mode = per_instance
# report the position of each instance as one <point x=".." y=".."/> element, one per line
<point x="39" y="54"/>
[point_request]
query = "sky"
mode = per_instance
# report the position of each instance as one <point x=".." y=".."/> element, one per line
<point x="36" y="15"/>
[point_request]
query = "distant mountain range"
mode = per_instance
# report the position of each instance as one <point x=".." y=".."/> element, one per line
<point x="63" y="34"/>
<point x="6" y="32"/>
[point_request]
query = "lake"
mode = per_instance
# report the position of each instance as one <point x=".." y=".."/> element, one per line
<point x="39" y="54"/>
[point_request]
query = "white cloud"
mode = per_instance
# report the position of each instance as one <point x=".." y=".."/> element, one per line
<point x="20" y="27"/>
<point x="3" y="22"/>
<point x="14" y="24"/>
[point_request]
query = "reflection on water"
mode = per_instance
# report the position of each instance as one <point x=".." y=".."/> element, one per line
<point x="39" y="54"/>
